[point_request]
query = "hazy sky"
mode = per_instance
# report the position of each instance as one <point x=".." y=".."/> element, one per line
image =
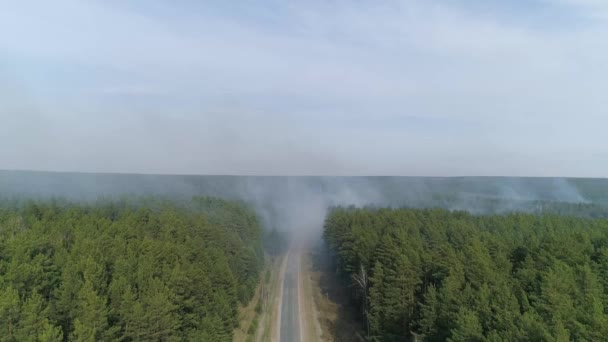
<point x="306" y="87"/>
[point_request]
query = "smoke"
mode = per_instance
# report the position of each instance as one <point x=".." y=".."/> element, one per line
<point x="567" y="192"/>
<point x="299" y="204"/>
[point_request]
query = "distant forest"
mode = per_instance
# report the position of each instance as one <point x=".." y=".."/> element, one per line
<point x="453" y="276"/>
<point x="147" y="270"/>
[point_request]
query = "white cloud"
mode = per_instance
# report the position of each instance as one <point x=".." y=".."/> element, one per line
<point x="493" y="88"/>
<point x="596" y="9"/>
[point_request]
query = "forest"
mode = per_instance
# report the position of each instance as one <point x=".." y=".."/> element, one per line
<point x="143" y="269"/>
<point x="440" y="275"/>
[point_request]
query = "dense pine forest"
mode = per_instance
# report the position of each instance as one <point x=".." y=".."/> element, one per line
<point x="451" y="276"/>
<point x="129" y="270"/>
<point x="505" y="259"/>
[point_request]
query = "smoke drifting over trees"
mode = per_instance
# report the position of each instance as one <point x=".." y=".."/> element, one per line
<point x="300" y="203"/>
<point x="166" y="212"/>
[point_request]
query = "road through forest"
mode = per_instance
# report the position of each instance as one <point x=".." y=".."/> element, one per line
<point x="290" y="318"/>
<point x="297" y="315"/>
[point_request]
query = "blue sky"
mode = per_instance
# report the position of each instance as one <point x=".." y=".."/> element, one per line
<point x="433" y="88"/>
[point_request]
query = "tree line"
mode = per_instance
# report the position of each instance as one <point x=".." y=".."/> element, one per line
<point x="439" y="275"/>
<point x="126" y="270"/>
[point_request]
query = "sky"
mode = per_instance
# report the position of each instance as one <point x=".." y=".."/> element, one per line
<point x="425" y="88"/>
